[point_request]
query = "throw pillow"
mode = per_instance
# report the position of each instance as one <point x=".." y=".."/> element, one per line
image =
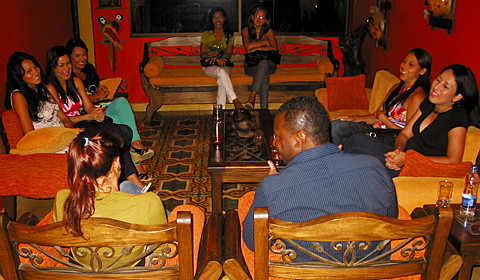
<point x="153" y="67"/>
<point x="45" y="140"/>
<point x="112" y="85"/>
<point x="418" y="165"/>
<point x="346" y="93"/>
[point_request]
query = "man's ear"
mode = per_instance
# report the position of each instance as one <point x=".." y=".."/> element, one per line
<point x="300" y="138"/>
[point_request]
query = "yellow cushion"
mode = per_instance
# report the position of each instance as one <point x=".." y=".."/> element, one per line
<point x="112" y="85"/>
<point x="45" y="140"/>
<point x="384" y="81"/>
<point x="346" y="93"/>
<point x="472" y="144"/>
<point x="418" y="165"/>
<point x="154" y="67"/>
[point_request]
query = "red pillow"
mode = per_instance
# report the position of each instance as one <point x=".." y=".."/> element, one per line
<point x="418" y="165"/>
<point x="346" y="93"/>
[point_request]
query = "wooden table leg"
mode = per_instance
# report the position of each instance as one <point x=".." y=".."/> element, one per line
<point x="11" y="206"/>
<point x="469" y="262"/>
<point x="217" y="192"/>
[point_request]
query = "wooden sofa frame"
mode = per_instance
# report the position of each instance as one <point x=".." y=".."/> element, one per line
<point x="305" y="63"/>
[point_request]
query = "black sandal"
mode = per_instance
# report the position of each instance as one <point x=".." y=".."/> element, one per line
<point x="144" y="177"/>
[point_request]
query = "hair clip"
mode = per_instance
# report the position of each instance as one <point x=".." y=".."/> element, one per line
<point x="86" y="141"/>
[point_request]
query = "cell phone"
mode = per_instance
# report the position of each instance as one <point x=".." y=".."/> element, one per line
<point x="146" y="188"/>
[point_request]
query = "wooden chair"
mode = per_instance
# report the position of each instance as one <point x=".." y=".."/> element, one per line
<point x="104" y="233"/>
<point x="430" y="232"/>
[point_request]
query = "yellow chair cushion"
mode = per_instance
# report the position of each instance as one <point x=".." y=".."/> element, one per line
<point x="112" y="85"/>
<point x="154" y="67"/>
<point x="45" y="140"/>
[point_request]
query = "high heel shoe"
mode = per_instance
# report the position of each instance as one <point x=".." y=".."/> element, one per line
<point x="140" y="155"/>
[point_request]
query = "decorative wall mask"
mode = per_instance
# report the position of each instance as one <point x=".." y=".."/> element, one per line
<point x="440" y="13"/>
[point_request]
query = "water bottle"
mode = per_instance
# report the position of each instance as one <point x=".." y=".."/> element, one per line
<point x="469" y="196"/>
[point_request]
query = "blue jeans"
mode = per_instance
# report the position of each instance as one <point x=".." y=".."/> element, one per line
<point x="341" y="130"/>
<point x="129" y="187"/>
<point x="261" y="79"/>
<point x="364" y="144"/>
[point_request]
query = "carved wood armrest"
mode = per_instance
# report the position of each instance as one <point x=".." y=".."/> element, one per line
<point x="210" y="253"/>
<point x="233" y="261"/>
<point x="28" y="219"/>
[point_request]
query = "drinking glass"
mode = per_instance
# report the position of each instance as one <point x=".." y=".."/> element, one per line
<point x="217" y="109"/>
<point x="445" y="189"/>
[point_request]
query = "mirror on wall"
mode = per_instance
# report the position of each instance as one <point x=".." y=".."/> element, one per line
<point x="317" y="17"/>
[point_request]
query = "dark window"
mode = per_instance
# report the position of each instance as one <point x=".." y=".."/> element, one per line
<point x="322" y="17"/>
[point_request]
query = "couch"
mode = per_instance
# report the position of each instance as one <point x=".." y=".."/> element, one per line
<point x="171" y="72"/>
<point x="418" y="182"/>
<point x="26" y="175"/>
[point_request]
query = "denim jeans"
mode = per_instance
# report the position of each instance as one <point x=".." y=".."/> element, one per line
<point x="129" y="187"/>
<point x="341" y="130"/>
<point x="225" y="88"/>
<point x="261" y="79"/>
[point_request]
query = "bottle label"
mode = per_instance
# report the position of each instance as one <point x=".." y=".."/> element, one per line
<point x="468" y="200"/>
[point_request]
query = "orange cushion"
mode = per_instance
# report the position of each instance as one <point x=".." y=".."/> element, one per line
<point x="347" y="93"/>
<point x="14" y="131"/>
<point x="198" y="220"/>
<point x="418" y="165"/>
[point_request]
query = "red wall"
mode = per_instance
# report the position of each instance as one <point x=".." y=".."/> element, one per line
<point x="408" y="29"/>
<point x="131" y="54"/>
<point x="32" y="27"/>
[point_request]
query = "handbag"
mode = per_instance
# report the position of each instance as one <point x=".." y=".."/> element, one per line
<point x="386" y="136"/>
<point x="204" y="62"/>
<point x="91" y="123"/>
<point x="253" y="58"/>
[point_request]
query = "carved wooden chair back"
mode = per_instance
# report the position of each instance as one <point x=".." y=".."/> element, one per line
<point x="102" y="237"/>
<point x="348" y="233"/>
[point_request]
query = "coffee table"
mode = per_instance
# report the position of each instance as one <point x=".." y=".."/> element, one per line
<point x="467" y="244"/>
<point x="239" y="159"/>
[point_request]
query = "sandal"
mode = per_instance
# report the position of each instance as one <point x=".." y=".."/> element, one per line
<point x="145" y="177"/>
<point x="140" y="155"/>
<point x="249" y="105"/>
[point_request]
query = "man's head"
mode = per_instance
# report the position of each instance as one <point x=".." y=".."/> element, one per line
<point x="301" y="123"/>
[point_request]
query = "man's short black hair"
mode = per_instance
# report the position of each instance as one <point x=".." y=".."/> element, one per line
<point x="308" y="114"/>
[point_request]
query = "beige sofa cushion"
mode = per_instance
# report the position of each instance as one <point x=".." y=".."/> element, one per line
<point x="382" y="84"/>
<point x="414" y="192"/>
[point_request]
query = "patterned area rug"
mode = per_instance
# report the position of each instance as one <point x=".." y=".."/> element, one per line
<point x="179" y="166"/>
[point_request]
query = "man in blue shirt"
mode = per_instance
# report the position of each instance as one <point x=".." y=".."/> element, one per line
<point x="319" y="178"/>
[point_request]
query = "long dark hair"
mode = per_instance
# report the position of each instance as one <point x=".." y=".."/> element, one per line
<point x="425" y="61"/>
<point x="89" y="69"/>
<point x="226" y="27"/>
<point x="468" y="87"/>
<point x="90" y="156"/>
<point x="53" y="54"/>
<point x="252" y="33"/>
<point x="15" y="72"/>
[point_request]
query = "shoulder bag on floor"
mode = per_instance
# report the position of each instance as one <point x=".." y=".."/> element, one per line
<point x="253" y="58"/>
<point x="204" y="62"/>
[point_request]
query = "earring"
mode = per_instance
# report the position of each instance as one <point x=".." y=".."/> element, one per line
<point x="119" y="168"/>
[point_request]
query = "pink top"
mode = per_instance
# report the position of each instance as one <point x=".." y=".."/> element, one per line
<point x="70" y="108"/>
<point x="397" y="114"/>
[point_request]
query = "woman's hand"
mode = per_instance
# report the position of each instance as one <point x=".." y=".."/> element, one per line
<point x="395" y="159"/>
<point x="348" y="118"/>
<point x="97" y="114"/>
<point x="221" y="61"/>
<point x="102" y="92"/>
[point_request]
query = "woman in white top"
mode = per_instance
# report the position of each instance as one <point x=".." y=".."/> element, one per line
<point x="29" y="97"/>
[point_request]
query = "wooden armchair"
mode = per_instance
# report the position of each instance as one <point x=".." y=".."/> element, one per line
<point x="355" y="229"/>
<point x="104" y="233"/>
